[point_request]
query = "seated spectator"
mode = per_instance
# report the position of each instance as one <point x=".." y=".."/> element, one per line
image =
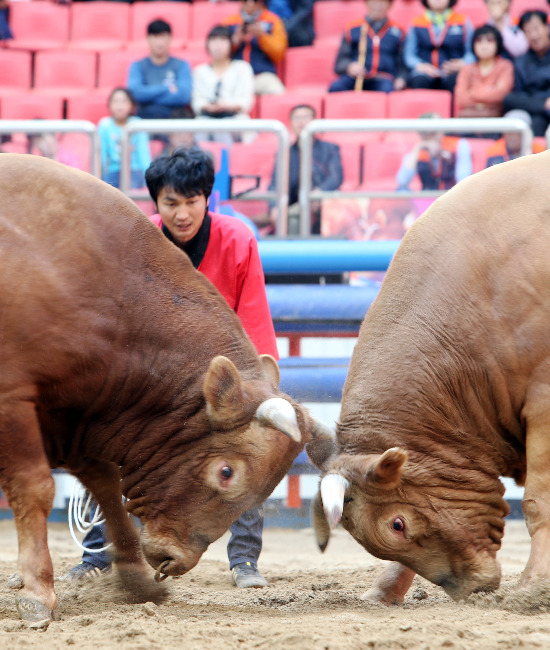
<point x="515" y="43"/>
<point x="224" y="87"/>
<point x="297" y="17"/>
<point x="326" y="172"/>
<point x="259" y="37"/>
<point x="160" y="83"/>
<point x="509" y="146"/>
<point x="180" y="139"/>
<point x="5" y="31"/>
<point x="531" y="91"/>
<point x="439" y="161"/>
<point x="481" y="86"/>
<point x="437" y="46"/>
<point x="121" y="111"/>
<point x="369" y="57"/>
<point x="50" y="145"/>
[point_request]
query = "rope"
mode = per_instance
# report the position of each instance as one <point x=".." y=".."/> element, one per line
<point x="80" y="506"/>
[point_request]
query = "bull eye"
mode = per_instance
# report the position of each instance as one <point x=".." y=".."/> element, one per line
<point x="226" y="473"/>
<point x="398" y="524"/>
<point x="348" y="499"/>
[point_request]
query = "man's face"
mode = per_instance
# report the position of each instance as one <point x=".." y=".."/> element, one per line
<point x="182" y="215"/>
<point x="299" y="118"/>
<point x="497" y="8"/>
<point x="537" y="35"/>
<point x="159" y="45"/>
<point x="377" y="9"/>
<point x="251" y="6"/>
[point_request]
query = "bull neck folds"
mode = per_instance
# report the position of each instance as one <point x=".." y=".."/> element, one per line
<point x="196" y="247"/>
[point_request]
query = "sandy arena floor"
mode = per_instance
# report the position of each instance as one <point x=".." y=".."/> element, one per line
<point x="312" y="602"/>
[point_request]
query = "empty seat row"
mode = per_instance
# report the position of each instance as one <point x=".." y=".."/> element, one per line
<point x="103" y="24"/>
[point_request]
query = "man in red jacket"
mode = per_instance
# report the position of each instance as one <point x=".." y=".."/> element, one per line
<point x="225" y="250"/>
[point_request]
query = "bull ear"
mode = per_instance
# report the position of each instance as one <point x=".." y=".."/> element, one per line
<point x="222" y="388"/>
<point x="389" y="466"/>
<point x="271" y="369"/>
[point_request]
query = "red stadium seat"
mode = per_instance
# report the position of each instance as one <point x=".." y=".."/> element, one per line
<point x="403" y="11"/>
<point x="476" y="11"/>
<point x="479" y="147"/>
<point x="91" y="106"/>
<point x="309" y="67"/>
<point x="177" y="14"/>
<point x="411" y="103"/>
<point x="381" y="162"/>
<point x="356" y="105"/>
<point x="331" y="16"/>
<point x="66" y="72"/>
<point x="204" y="16"/>
<point x="520" y="6"/>
<point x="278" y="107"/>
<point x="251" y="163"/>
<point x="193" y="55"/>
<point x="15" y="71"/>
<point x="99" y="25"/>
<point x="38" y="25"/>
<point x="31" y="106"/>
<point x="113" y="66"/>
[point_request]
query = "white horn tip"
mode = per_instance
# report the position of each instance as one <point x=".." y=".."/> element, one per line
<point x="333" y="491"/>
<point x="279" y="413"/>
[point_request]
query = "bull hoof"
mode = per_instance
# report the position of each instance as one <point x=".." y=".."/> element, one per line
<point x="30" y="609"/>
<point x="375" y="595"/>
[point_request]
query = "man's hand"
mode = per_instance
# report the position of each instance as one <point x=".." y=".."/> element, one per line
<point x="451" y="66"/>
<point x="355" y="69"/>
<point x="399" y="83"/>
<point x="428" y="69"/>
<point x="255" y="29"/>
<point x="547" y="104"/>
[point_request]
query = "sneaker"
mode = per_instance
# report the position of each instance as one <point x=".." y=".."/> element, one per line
<point x="83" y="571"/>
<point x="247" y="575"/>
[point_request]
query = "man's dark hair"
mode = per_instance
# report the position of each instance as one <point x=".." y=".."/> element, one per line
<point x="308" y="106"/>
<point x="158" y="27"/>
<point x="219" y="31"/>
<point x="489" y="29"/>
<point x="451" y="3"/>
<point x="189" y="172"/>
<point x="526" y="16"/>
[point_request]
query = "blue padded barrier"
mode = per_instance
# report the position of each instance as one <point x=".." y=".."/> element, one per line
<point x="332" y="308"/>
<point x="313" y="380"/>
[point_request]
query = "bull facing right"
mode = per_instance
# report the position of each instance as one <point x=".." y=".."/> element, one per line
<point x="449" y="389"/>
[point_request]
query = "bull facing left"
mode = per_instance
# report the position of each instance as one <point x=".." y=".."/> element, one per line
<point x="125" y="366"/>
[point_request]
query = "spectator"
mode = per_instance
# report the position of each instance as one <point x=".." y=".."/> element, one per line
<point x="369" y="57"/>
<point x="439" y="161"/>
<point x="481" y="86"/>
<point x="5" y="31"/>
<point x="121" y="108"/>
<point x="437" y="46"/>
<point x="509" y="146"/>
<point x="515" y="43"/>
<point x="259" y="37"/>
<point x="326" y="172"/>
<point x="159" y="83"/>
<point x="180" y="139"/>
<point x="297" y="17"/>
<point x="227" y="253"/>
<point x="224" y="87"/>
<point x="531" y="91"/>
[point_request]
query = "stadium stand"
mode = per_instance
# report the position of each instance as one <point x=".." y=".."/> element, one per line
<point x="277" y="107"/>
<point x="91" y="106"/>
<point x="113" y="67"/>
<point x="381" y="162"/>
<point x="411" y="103"/>
<point x="177" y="14"/>
<point x="352" y="105"/>
<point x="15" y="71"/>
<point x="38" y="26"/>
<point x="64" y="72"/>
<point x="309" y="68"/>
<point x="204" y="17"/>
<point x="99" y="25"/>
<point x="330" y="17"/>
<point x="32" y="106"/>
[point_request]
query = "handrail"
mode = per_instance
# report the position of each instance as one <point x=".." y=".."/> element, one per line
<point x="445" y="125"/>
<point x="233" y="125"/>
<point x="58" y="126"/>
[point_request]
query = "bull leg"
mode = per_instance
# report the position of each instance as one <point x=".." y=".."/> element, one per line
<point x="390" y="588"/>
<point x="103" y="480"/>
<point x="27" y="482"/>
<point x="536" y="500"/>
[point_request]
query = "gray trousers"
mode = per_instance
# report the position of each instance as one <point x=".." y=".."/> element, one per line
<point x="245" y="544"/>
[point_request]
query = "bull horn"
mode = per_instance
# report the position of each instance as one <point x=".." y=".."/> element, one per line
<point x="279" y="413"/>
<point x="321" y="430"/>
<point x="333" y="490"/>
<point x="320" y="524"/>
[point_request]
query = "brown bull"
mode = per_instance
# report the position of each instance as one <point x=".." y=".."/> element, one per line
<point x="449" y="388"/>
<point x="122" y="364"/>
